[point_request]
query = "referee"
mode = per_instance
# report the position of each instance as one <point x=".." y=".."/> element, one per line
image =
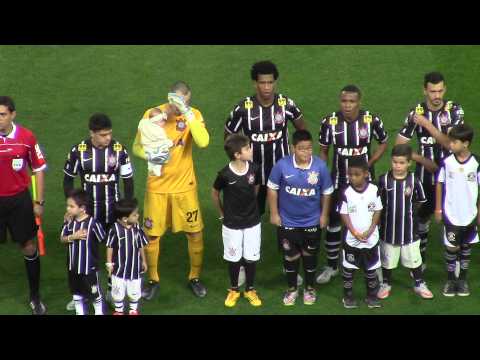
<point x="18" y="150"/>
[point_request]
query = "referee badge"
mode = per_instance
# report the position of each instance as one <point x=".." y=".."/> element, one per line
<point x="248" y="104"/>
<point x="117" y="147"/>
<point x="367" y="119"/>
<point x="282" y="101"/>
<point x="333" y="120"/>
<point x="408" y="191"/>
<point x="112" y="161"/>
<point x="363" y="133"/>
<point x="419" y="110"/>
<point x="279" y="118"/>
<point x="312" y="178"/>
<point x="17" y="164"/>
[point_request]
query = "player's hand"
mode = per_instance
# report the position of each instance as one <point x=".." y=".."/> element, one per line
<point x="359" y="236"/>
<point x="323" y="221"/>
<point x="438" y="216"/>
<point x="109" y="267"/>
<point x="67" y="217"/>
<point x="37" y="209"/>
<point x="79" y="235"/>
<point x="478" y="218"/>
<point x="170" y="110"/>
<point x="430" y="166"/>
<point x="275" y="220"/>
<point x="179" y="102"/>
<point x="420" y="120"/>
<point x="144" y="266"/>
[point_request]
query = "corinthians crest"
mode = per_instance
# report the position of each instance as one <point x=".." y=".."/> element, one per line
<point x="312" y="177"/>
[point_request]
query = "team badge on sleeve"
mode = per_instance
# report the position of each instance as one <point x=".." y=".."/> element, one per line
<point x="333" y="120"/>
<point x="367" y="118"/>
<point x="312" y="178"/>
<point x="82" y="147"/>
<point x="148" y="223"/>
<point x="282" y="101"/>
<point x="419" y="110"/>
<point x="117" y="147"/>
<point x="248" y="104"/>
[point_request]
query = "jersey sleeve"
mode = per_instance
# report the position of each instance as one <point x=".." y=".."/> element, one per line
<point x="343" y="203"/>
<point x="219" y="183"/>
<point x="36" y="158"/>
<point x="409" y="126"/>
<point x="234" y="121"/>
<point x="112" y="239"/>
<point x="378" y="201"/>
<point x="325" y="135"/>
<point x="71" y="164"/>
<point x="418" y="192"/>
<point x="327" y="186"/>
<point x="275" y="177"/>
<point x="142" y="237"/>
<point x="126" y="169"/>
<point x="199" y="131"/>
<point x="379" y="132"/>
<point x="98" y="230"/>
<point x="292" y="110"/>
<point x="65" y="229"/>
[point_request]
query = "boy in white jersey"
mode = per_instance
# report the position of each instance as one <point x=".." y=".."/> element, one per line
<point x="457" y="204"/>
<point x="360" y="210"/>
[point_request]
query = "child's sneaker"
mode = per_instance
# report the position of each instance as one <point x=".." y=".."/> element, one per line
<point x="252" y="297"/>
<point x="384" y="291"/>
<point x="289" y="297"/>
<point x="349" y="302"/>
<point x="372" y="302"/>
<point x="450" y="288"/>
<point x="133" y="312"/>
<point x="117" y="313"/>
<point x="232" y="297"/>
<point x="309" y="296"/>
<point x="423" y="291"/>
<point x="463" y="288"/>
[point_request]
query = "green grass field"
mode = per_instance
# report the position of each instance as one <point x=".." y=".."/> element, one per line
<point x="57" y="88"/>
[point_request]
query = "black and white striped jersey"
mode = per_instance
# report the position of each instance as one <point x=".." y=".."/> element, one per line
<point x="350" y="139"/>
<point x="267" y="128"/>
<point x="100" y="171"/>
<point x="83" y="254"/>
<point x="398" y="198"/>
<point x="126" y="244"/>
<point x="444" y="119"/>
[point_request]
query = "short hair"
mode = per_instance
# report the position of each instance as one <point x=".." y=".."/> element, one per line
<point x="99" y="121"/>
<point x="234" y="144"/>
<point x="433" y="77"/>
<point x="124" y="207"/>
<point x="80" y="197"/>
<point x="301" y="135"/>
<point x="7" y="101"/>
<point x="352" y="89"/>
<point x="402" y="150"/>
<point x="264" y="68"/>
<point x="181" y="86"/>
<point x="462" y="132"/>
<point x="358" y="162"/>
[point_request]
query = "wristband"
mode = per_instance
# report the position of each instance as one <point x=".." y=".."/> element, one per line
<point x="109" y="264"/>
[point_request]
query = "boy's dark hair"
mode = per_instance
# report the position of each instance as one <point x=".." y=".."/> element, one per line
<point x="234" y="144"/>
<point x="301" y="135"/>
<point x="181" y="86"/>
<point x="264" y="68"/>
<point x="80" y="197"/>
<point x="433" y="77"/>
<point x="358" y="162"/>
<point x="99" y="121"/>
<point x="7" y="101"/>
<point x="124" y="207"/>
<point x="461" y="132"/>
<point x="352" y="89"/>
<point x="402" y="150"/>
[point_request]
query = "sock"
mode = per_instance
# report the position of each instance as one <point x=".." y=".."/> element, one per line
<point x="32" y="263"/>
<point x="119" y="306"/>
<point x="423" y="229"/>
<point x="195" y="251"/>
<point x="152" y="253"/>
<point x="387" y="276"/>
<point x="234" y="270"/>
<point x="465" y="253"/>
<point x="250" y="270"/>
<point x="79" y="305"/>
<point x="347" y="275"/>
<point x="418" y="275"/>
<point x="450" y="258"/>
<point x="332" y="245"/>
<point x="291" y="268"/>
<point x="98" y="305"/>
<point x="133" y="305"/>
<point x="109" y="284"/>
<point x="371" y="280"/>
<point x="309" y="266"/>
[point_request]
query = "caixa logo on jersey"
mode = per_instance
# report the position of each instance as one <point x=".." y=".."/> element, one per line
<point x="267" y="137"/>
<point x="100" y="178"/>
<point x="300" y="191"/>
<point x="352" y="151"/>
<point x="427" y="140"/>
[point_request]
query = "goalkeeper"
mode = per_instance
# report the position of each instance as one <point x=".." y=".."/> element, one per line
<point x="171" y="199"/>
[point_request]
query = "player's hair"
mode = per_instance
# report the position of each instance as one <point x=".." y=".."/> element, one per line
<point x="124" y="207"/>
<point x="461" y="132"/>
<point x="80" y="197"/>
<point x="358" y="162"/>
<point x="433" y="77"/>
<point x="301" y="135"/>
<point x="7" y="101"/>
<point x="234" y="144"/>
<point x="99" y="121"/>
<point x="402" y="150"/>
<point x="264" y="68"/>
<point x="181" y="86"/>
<point x="352" y="89"/>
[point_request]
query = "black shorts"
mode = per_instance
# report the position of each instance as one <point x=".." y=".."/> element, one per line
<point x="16" y="214"/>
<point x="428" y="207"/>
<point x="363" y="259"/>
<point x="294" y="240"/>
<point x="87" y="286"/>
<point x="454" y="236"/>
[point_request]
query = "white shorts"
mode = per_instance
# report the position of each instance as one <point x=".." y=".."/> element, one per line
<point x="122" y="287"/>
<point x="410" y="255"/>
<point x="241" y="243"/>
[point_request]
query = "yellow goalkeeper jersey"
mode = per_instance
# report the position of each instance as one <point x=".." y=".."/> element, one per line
<point x="178" y="174"/>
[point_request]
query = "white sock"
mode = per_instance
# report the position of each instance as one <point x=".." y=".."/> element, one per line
<point x="79" y="304"/>
<point x="98" y="305"/>
<point x="119" y="306"/>
<point x="133" y="305"/>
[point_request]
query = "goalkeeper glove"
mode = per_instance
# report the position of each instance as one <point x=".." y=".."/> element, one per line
<point x="158" y="157"/>
<point x="179" y="102"/>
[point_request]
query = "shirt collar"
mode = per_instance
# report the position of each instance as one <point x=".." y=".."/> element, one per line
<point x="13" y="132"/>
<point x="298" y="167"/>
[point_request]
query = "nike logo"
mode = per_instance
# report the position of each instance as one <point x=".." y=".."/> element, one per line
<point x="87" y="159"/>
<point x="338" y="133"/>
<point x="288" y="176"/>
<point x="254" y="118"/>
<point x="310" y="248"/>
<point x="231" y="183"/>
<point x="390" y="189"/>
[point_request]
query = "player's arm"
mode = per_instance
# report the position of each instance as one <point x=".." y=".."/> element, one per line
<point x="379" y="151"/>
<point x="109" y="263"/>
<point x="144" y="259"/>
<point x="67" y="184"/>
<point x="217" y="202"/>
<point x="375" y="221"/>
<point x="326" y="200"/>
<point x="438" y="201"/>
<point x="234" y="121"/>
<point x="324" y="152"/>
<point x="137" y="147"/>
<point x="348" y="224"/>
<point x="272" y="198"/>
<point x="198" y="130"/>
<point x="439" y="136"/>
<point x="299" y="123"/>
<point x="40" y="182"/>
<point x="381" y="136"/>
<point x="128" y="188"/>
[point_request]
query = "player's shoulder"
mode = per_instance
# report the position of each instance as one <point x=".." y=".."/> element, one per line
<point x="116" y="145"/>
<point x="80" y="146"/>
<point x="368" y="116"/>
<point x="225" y="170"/>
<point x="476" y="158"/>
<point x="372" y="187"/>
<point x="23" y="132"/>
<point x="330" y="119"/>
<point x="284" y="100"/>
<point x="319" y="162"/>
<point x="245" y="103"/>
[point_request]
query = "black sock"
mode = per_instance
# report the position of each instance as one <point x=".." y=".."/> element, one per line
<point x="347" y="281"/>
<point x="109" y="283"/>
<point x="450" y="258"/>
<point x="423" y="246"/>
<point x="234" y="270"/>
<point x="387" y="276"/>
<point x="250" y="270"/>
<point x="291" y="268"/>
<point x="417" y="275"/>
<point x="332" y="245"/>
<point x="371" y="280"/>
<point x="309" y="266"/>
<point x="465" y="253"/>
<point x="32" y="263"/>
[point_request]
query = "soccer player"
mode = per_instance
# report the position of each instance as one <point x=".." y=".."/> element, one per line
<point x="360" y="210"/>
<point x="171" y="200"/>
<point x="19" y="150"/>
<point x="430" y="120"/>
<point x="241" y="229"/>
<point x="101" y="162"/>
<point x="402" y="194"/>
<point x="350" y="131"/>
<point x="458" y="205"/>
<point x="126" y="256"/>
<point x="299" y="191"/>
<point x="82" y="234"/>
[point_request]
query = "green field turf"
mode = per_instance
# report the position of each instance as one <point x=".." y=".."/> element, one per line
<point x="57" y="88"/>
